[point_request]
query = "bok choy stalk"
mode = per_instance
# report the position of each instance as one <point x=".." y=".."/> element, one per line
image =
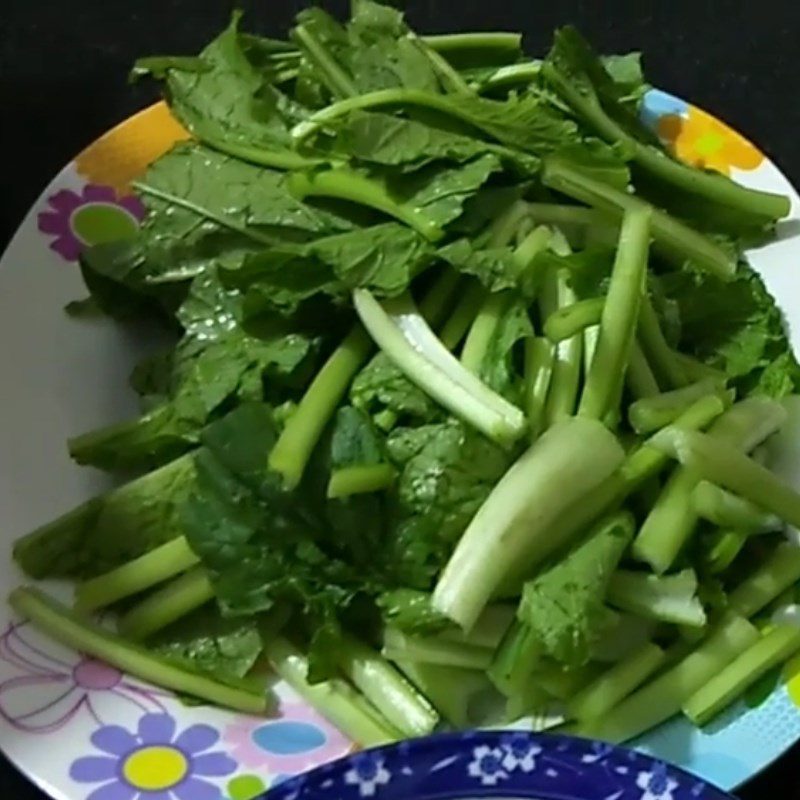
<point x="519" y="522"/>
<point x="731" y="511"/>
<point x="668" y="598"/>
<point x="651" y="413"/>
<point x="400" y="331"/>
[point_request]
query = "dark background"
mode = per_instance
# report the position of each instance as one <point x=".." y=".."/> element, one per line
<point x="63" y="67"/>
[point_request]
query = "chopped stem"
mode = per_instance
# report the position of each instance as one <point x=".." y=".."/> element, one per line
<point x="696" y="370"/>
<point x="88" y="637"/>
<point x="651" y="413"/>
<point x="639" y="377"/>
<point x="770" y="580"/>
<point x="503" y="229"/>
<point x="360" y="479"/>
<point x="334" y="698"/>
<point x="386" y="689"/>
<point x="672" y="519"/>
<point x="620" y="314"/>
<point x="434" y="306"/>
<point x="332" y="75"/>
<point x="731" y="511"/>
<point x="458" y="323"/>
<point x="665" y="363"/>
<point x="344" y="184"/>
<point x="722" y="689"/>
<point x="482" y="331"/>
<point x="713" y="186"/>
<point x="164" y="606"/>
<point x="679" y="240"/>
<point x="614" y="685"/>
<point x="565" y="322"/>
<point x="723" y="464"/>
<point x="562" y="683"/>
<point x="399" y="646"/>
<point x="136" y="576"/>
<point x="663" y="697"/>
<point x="723" y="548"/>
<point x="671" y="598"/>
<point x="479" y="40"/>
<point x="534" y="243"/>
<point x="293" y="449"/>
<point x="515" y="659"/>
<point x="511" y="75"/>
<point x="539" y="357"/>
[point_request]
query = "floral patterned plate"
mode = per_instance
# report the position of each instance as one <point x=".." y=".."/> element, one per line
<point x="501" y="764"/>
<point x="84" y="731"/>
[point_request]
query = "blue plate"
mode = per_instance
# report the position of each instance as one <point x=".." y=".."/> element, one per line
<point x="497" y="764"/>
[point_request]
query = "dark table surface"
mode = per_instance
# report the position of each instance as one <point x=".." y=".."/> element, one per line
<point x="63" y="67"/>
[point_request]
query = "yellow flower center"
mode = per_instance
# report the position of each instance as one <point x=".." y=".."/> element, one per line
<point x="709" y="143"/>
<point x="153" y="769"/>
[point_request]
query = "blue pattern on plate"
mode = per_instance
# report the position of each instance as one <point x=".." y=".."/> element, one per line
<point x="506" y="764"/>
<point x="285" y="737"/>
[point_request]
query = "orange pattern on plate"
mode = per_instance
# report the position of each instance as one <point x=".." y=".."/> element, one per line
<point x="122" y="154"/>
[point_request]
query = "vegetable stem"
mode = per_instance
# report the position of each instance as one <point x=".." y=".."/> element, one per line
<point x="361" y="479"/>
<point x="639" y="377"/>
<point x="89" y="638"/>
<point x="539" y="357"/>
<point x="780" y="571"/>
<point x="142" y="573"/>
<point x="459" y="321"/>
<point x="482" y="331"/>
<point x="772" y="650"/>
<point x="565" y="322"/>
<point x="665" y="363"/>
<point x="677" y="239"/>
<point x="731" y="511"/>
<point x="399" y="646"/>
<point x="175" y="600"/>
<point x="651" y="413"/>
<point x="671" y="598"/>
<point x="335" y="699"/>
<point x="332" y="75"/>
<point x="293" y="449"/>
<point x="620" y="313"/>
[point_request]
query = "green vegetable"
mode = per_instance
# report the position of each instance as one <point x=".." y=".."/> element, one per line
<point x="663" y="697"/>
<point x="618" y="322"/>
<point x="729" y="510"/>
<point x="564" y="605"/>
<point x="539" y="355"/>
<point x="358" y="480"/>
<point x="335" y="699"/>
<point x="399" y="646"/>
<point x="614" y="685"/>
<point x="516" y="524"/>
<point x="778" y="572"/>
<point x="651" y="413"/>
<point x="773" y="649"/>
<point x="668" y="598"/>
<point x="565" y="322"/>
<point x="71" y="630"/>
<point x="135" y="576"/>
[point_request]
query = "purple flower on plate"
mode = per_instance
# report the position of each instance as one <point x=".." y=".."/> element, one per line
<point x="155" y="763"/>
<point x="47" y="690"/>
<point x="97" y="214"/>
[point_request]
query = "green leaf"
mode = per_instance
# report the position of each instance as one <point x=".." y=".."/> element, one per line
<point x="354" y="439"/>
<point x="501" y="367"/>
<point x="563" y="605"/>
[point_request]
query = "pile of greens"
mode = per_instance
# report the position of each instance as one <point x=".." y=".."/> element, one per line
<point x="456" y="427"/>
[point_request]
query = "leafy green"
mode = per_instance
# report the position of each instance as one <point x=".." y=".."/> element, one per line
<point x="354" y="440"/>
<point x="735" y="326"/>
<point x="564" y="605"/>
<point x="501" y="365"/>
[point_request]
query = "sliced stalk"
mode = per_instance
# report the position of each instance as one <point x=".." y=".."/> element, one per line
<point x="639" y="378"/>
<point x="500" y="41"/>
<point x="663" y="697"/>
<point x="565" y="322"/>
<point x="511" y="75"/>
<point x="535" y="242"/>
<point x="89" y="638"/>
<point x="614" y="685"/>
<point x="136" y="576"/>
<point x="770" y="580"/>
<point x="731" y="511"/>
<point x="677" y="239"/>
<point x="696" y="370"/>
<point x="361" y="479"/>
<point x="482" y="331"/>
<point x="403" y="335"/>
<point x="720" y="463"/>
<point x="463" y="697"/>
<point x="293" y="449"/>
<point x="672" y="519"/>
<point x="561" y="683"/>
<point x="335" y="699"/>
<point x="436" y="302"/>
<point x="518" y="523"/>
<point x="387" y="689"/>
<point x="458" y="323"/>
<point x="722" y="689"/>
<point x="343" y="184"/>
<point x="164" y="606"/>
<point x="490" y="629"/>
<point x="667" y="366"/>
<point x="619" y="317"/>
<point x="650" y="414"/>
<point x="399" y="646"/>
<point x="723" y="548"/>
<point x="704" y="183"/>
<point x="539" y="358"/>
<point x="671" y="598"/>
<point x="515" y="659"/>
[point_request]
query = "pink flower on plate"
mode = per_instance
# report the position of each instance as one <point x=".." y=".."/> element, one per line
<point x="297" y="740"/>
<point x="48" y="691"/>
<point x="97" y="214"/>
